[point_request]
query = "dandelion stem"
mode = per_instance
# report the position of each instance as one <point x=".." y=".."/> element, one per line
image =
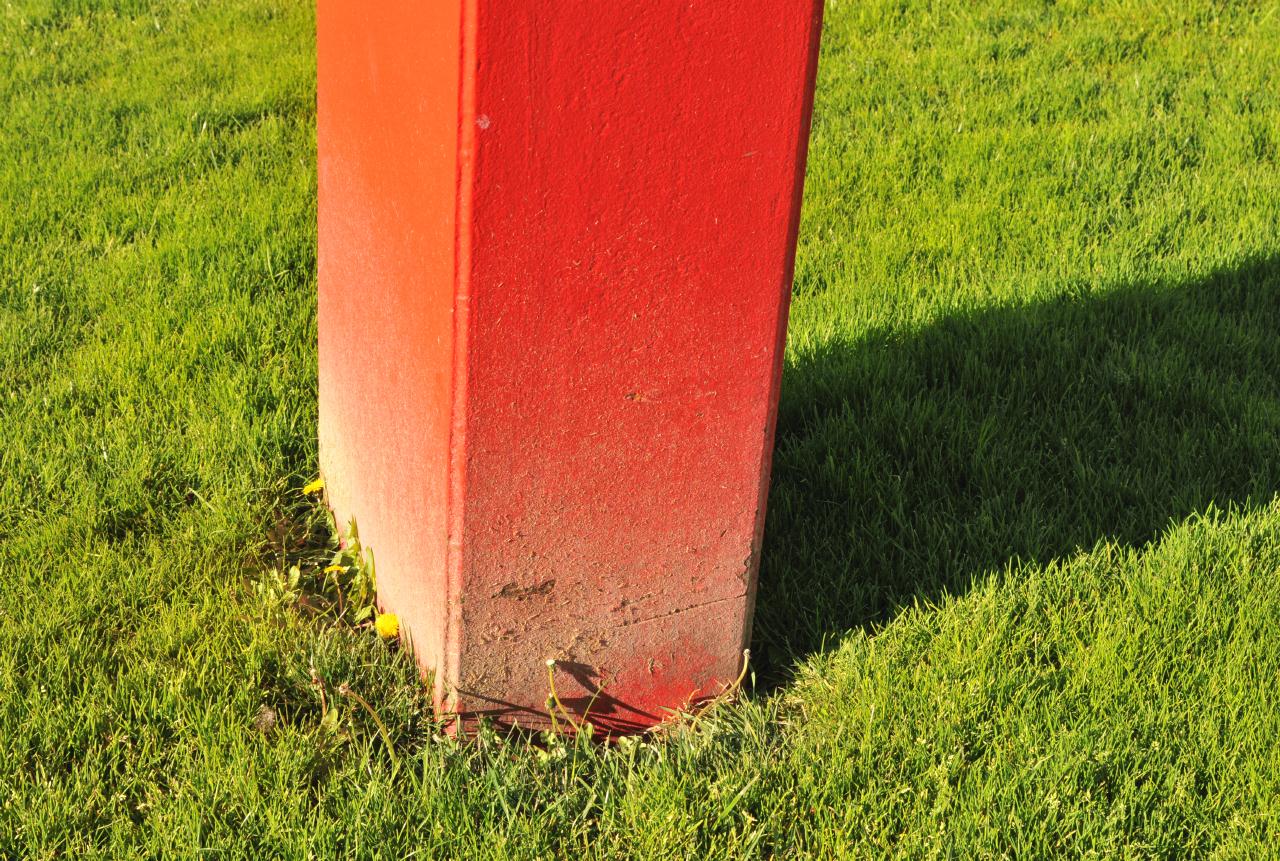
<point x="555" y="698"/>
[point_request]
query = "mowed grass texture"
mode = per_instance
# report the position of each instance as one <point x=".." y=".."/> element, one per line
<point x="1020" y="591"/>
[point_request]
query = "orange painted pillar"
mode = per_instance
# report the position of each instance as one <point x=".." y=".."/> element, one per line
<point x="556" y="244"/>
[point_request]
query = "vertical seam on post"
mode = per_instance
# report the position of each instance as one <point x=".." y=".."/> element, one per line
<point x="448" y="675"/>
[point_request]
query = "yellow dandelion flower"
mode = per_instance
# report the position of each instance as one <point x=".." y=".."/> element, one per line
<point x="387" y="625"/>
<point x="314" y="487"/>
<point x="335" y="569"/>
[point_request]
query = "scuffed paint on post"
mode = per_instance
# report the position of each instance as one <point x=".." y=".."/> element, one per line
<point x="556" y="244"/>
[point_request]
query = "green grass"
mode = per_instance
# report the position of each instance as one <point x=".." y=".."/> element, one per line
<point x="1021" y="586"/>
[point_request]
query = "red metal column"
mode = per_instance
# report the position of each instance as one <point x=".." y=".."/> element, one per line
<point x="556" y="241"/>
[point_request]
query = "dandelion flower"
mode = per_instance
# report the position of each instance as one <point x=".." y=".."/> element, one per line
<point x="387" y="625"/>
<point x="314" y="487"/>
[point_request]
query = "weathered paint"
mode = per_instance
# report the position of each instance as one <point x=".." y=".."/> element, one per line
<point x="556" y="241"/>
<point x="387" y="127"/>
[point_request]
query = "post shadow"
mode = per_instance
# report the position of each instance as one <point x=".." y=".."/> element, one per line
<point x="910" y="463"/>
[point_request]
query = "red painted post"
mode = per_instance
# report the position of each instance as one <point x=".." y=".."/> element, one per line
<point x="556" y="244"/>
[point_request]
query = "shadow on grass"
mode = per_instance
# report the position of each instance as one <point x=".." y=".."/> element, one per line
<point x="908" y="464"/>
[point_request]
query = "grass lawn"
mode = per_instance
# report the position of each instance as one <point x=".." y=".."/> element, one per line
<point x="1021" y="585"/>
